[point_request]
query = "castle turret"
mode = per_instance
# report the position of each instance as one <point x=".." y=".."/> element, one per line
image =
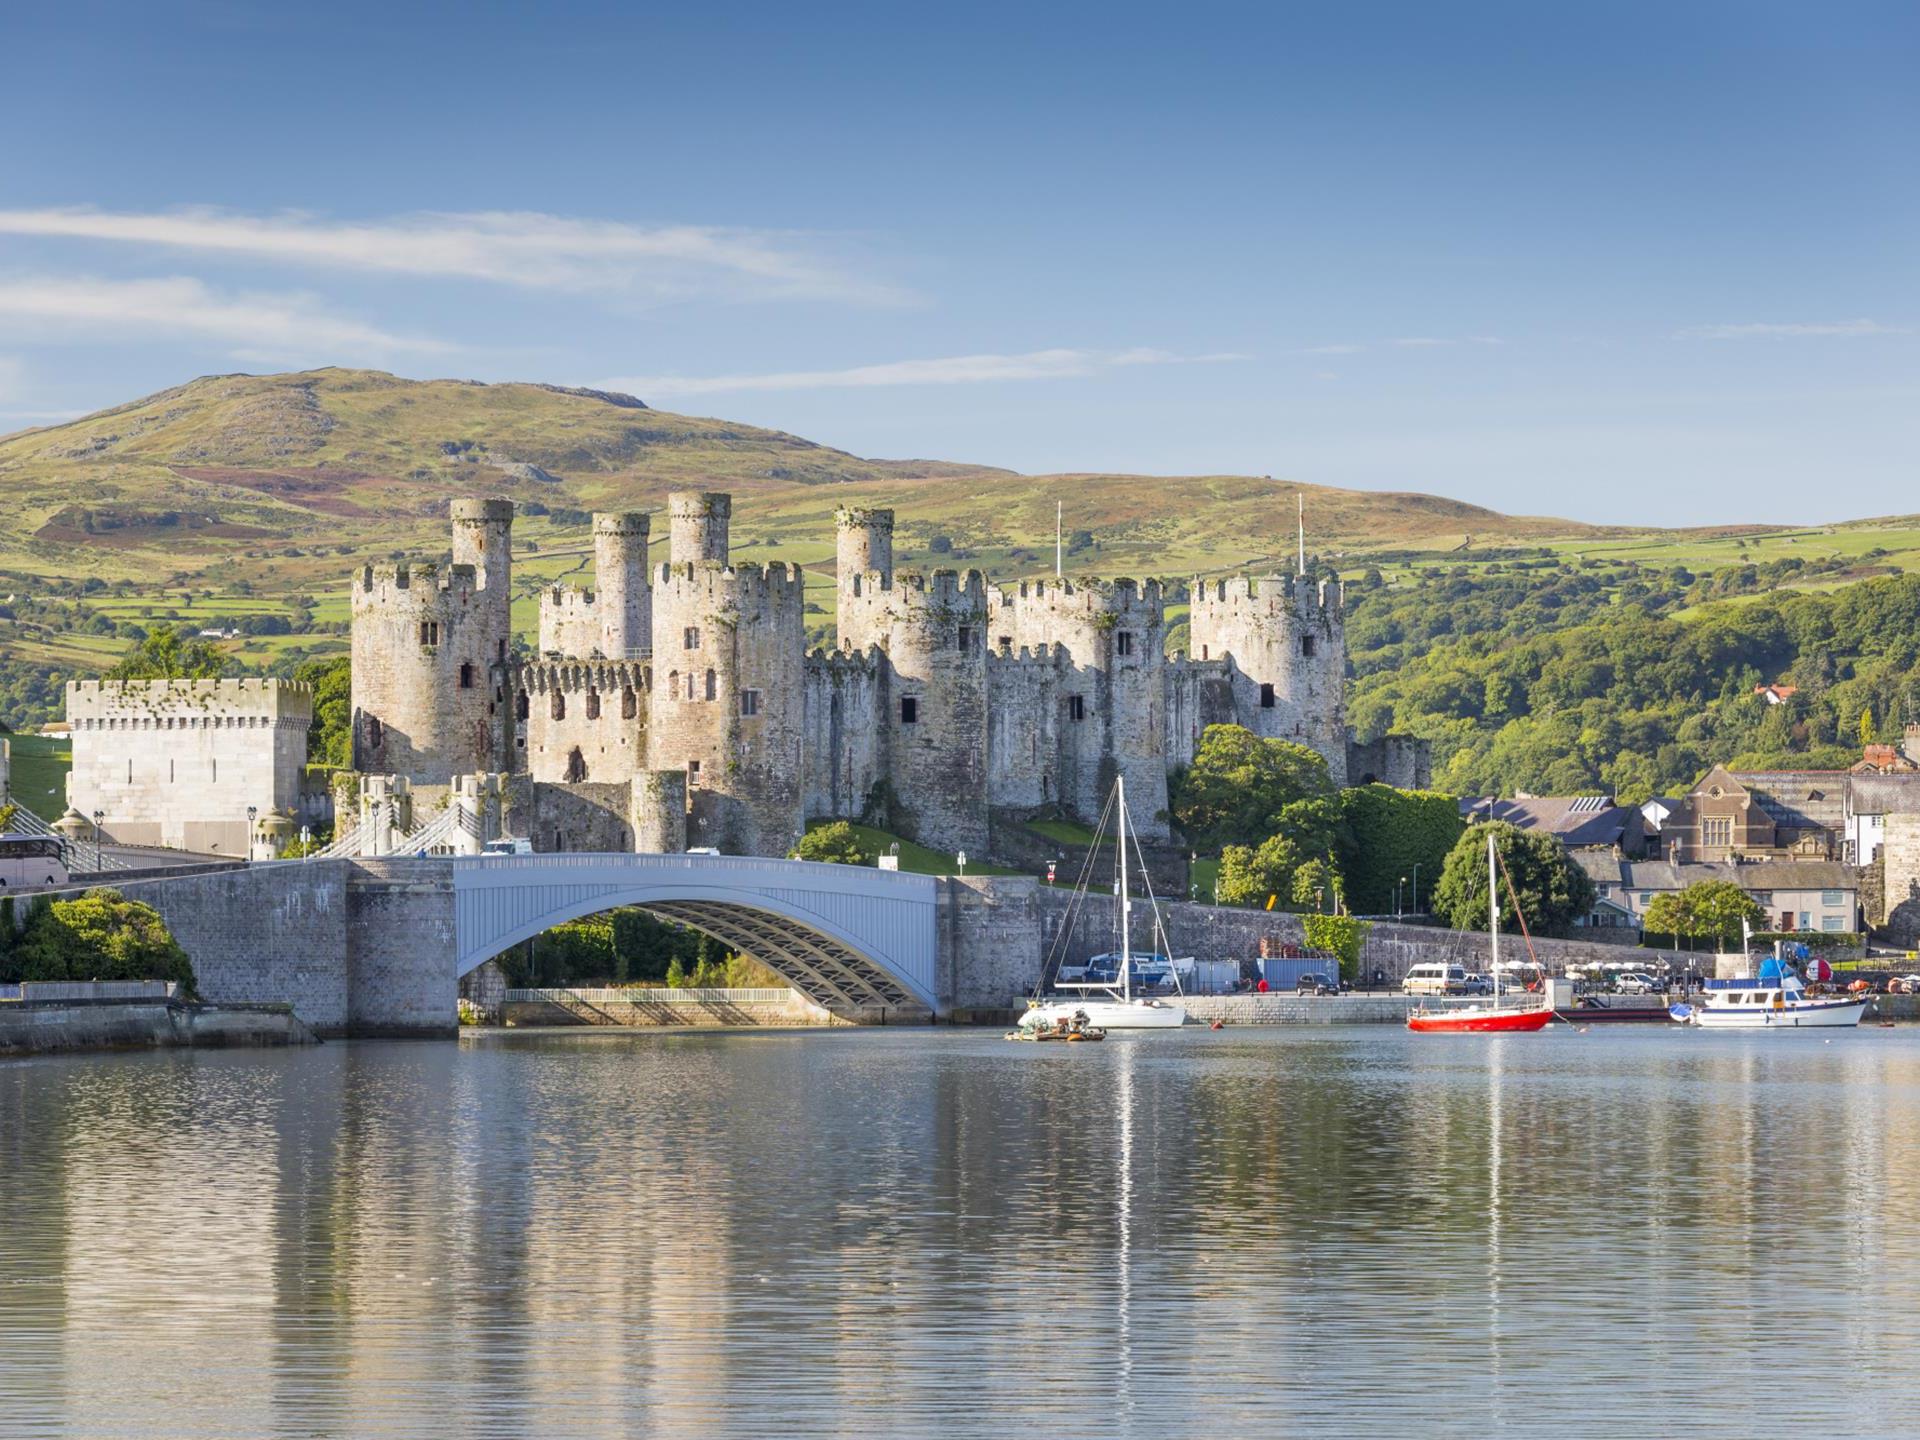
<point x="728" y="704"/>
<point x="932" y="630"/>
<point x="1286" y="640"/>
<point x="864" y="547"/>
<point x="622" y="590"/>
<point x="698" y="526"/>
<point x="425" y="641"/>
<point x="1105" y="641"/>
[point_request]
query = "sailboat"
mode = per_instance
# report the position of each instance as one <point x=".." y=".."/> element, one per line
<point x="1492" y="1017"/>
<point x="1109" y="1005"/>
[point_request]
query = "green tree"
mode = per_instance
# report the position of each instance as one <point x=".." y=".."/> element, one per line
<point x="1339" y="935"/>
<point x="833" y="844"/>
<point x="99" y="935"/>
<point x="169" y="653"/>
<point x="1705" y="910"/>
<point x="1239" y="784"/>
<point x="676" y="974"/>
<point x="1553" y="891"/>
<point x="1249" y="875"/>
<point x="330" y="736"/>
<point x="1317" y="887"/>
<point x="1866" y="727"/>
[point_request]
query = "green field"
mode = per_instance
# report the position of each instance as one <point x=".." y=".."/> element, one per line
<point x="39" y="774"/>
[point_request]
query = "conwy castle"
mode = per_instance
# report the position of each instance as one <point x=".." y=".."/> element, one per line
<point x="677" y="705"/>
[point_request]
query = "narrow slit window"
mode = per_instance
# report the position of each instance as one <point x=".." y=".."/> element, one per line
<point x="909" y="710"/>
<point x="466" y="675"/>
<point x="558" y="709"/>
<point x="1076" y="707"/>
<point x="1266" y="697"/>
<point x="1306" y="645"/>
<point x="629" y="704"/>
<point x="713" y="686"/>
<point x="593" y="704"/>
<point x="1123" y="642"/>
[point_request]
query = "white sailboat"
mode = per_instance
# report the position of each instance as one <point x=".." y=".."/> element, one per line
<point x="1110" y="1006"/>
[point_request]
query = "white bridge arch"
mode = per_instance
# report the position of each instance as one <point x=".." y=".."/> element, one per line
<point x="851" y="939"/>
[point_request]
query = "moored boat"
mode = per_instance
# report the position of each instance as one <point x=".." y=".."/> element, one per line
<point x="1494" y="1018"/>
<point x="1775" y="999"/>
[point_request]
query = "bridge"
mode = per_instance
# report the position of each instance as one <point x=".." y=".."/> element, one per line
<point x="854" y="941"/>
<point x="376" y="946"/>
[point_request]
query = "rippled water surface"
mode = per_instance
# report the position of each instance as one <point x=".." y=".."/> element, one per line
<point x="1292" y="1232"/>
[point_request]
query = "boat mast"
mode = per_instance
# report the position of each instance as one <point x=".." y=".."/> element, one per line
<point x="1493" y="913"/>
<point x="1126" y="950"/>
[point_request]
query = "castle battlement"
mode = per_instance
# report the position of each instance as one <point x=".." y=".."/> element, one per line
<point x="1269" y="592"/>
<point x="166" y="704"/>
<point x="867" y="662"/>
<point x="1006" y="654"/>
<point x="579" y="676"/>
<point x="941" y="587"/>
<point x="750" y="586"/>
<point x="413" y="581"/>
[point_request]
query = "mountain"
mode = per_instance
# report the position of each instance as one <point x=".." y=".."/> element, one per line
<point x="234" y="471"/>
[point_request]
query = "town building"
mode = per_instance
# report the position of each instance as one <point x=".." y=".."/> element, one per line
<point x="1821" y="895"/>
<point x="1578" y="822"/>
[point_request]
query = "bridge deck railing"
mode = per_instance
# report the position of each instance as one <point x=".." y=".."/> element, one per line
<point x="613" y="995"/>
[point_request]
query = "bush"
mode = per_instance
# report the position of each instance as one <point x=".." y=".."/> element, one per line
<point x="1340" y="936"/>
<point x="834" y="844"/>
<point x="1553" y="890"/>
<point x="1239" y="784"/>
<point x="99" y="936"/>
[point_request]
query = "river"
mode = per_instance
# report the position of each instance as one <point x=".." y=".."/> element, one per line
<point x="918" y="1232"/>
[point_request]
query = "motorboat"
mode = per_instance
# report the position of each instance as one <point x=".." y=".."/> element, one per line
<point x="1109" y="1002"/>
<point x="1775" y="999"/>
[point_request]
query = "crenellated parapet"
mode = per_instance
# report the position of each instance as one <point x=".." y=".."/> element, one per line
<point x="580" y="676"/>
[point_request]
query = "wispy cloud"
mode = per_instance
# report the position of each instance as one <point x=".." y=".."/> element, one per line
<point x="949" y="370"/>
<point x="270" y="326"/>
<point x="1789" y="330"/>
<point x="521" y="248"/>
<point x="1430" y="342"/>
<point x="1333" y="350"/>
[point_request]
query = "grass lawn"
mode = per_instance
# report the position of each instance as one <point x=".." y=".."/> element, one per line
<point x="1067" y="832"/>
<point x="1204" y="875"/>
<point x="916" y="859"/>
<point x="39" y="779"/>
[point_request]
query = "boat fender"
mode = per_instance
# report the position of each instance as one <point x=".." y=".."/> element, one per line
<point x="1216" y="1025"/>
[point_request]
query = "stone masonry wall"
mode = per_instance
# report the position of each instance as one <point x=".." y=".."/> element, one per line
<point x="400" y="949"/>
<point x="586" y="719"/>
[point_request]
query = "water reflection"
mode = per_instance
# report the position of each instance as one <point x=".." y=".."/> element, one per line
<point x="896" y="1233"/>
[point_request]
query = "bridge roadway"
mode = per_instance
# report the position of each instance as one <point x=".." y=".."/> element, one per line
<point x="377" y="946"/>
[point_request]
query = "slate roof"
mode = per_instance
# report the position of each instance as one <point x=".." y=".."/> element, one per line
<point x="1574" y="820"/>
<point x="1763" y="875"/>
<point x="1799" y="799"/>
<point x="1884" y="794"/>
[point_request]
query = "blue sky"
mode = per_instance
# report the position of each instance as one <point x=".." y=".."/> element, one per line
<point x="1649" y="264"/>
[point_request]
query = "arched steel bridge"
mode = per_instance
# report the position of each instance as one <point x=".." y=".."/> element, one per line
<point x="853" y="940"/>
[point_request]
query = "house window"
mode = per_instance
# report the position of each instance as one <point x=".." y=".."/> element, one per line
<point x="558" y="709"/>
<point x="1646" y="897"/>
<point x="1123" y="643"/>
<point x="1076" y="707"/>
<point x="593" y="704"/>
<point x="1832" y="897"/>
<point x="466" y="675"/>
<point x="1717" y="831"/>
<point x="909" y="710"/>
<point x="1306" y="646"/>
<point x="749" y="702"/>
<point x="1806" y="920"/>
<point x="1266" y="697"/>
<point x="429" y="632"/>
<point x="629" y="704"/>
<point x="1833" y="922"/>
<point x="1762" y="898"/>
<point x="690" y="638"/>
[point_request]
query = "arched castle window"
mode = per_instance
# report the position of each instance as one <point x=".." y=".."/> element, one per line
<point x="673" y="683"/>
<point x="576" y="767"/>
<point x="559" y="707"/>
<point x="1203" y="652"/>
<point x="466" y="675"/>
<point x="629" y="704"/>
<point x="593" y="706"/>
<point x="713" y="686"/>
<point x="520" y="705"/>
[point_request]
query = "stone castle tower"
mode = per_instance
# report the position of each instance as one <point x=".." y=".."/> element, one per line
<point x="674" y="703"/>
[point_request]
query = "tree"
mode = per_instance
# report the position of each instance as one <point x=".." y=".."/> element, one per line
<point x="1553" y="891"/>
<point x="940" y="544"/>
<point x="1248" y="876"/>
<point x="1340" y="936"/>
<point x="330" y="736"/>
<point x="99" y="935"/>
<point x="169" y="654"/>
<point x="1866" y="727"/>
<point x="834" y="844"/>
<point x="1239" y="784"/>
<point x="1705" y="910"/>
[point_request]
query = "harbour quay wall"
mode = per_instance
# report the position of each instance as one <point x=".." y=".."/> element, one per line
<point x="709" y="1009"/>
<point x="46" y="1029"/>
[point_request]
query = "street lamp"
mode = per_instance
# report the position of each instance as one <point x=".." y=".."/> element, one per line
<point x="252" y="811"/>
<point x="1399" y="890"/>
<point x="98" y="862"/>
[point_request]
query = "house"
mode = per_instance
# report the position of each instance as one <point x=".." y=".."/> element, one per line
<point x="1776" y="694"/>
<point x="1769" y="814"/>
<point x="1577" y="821"/>
<point x="1819" y="895"/>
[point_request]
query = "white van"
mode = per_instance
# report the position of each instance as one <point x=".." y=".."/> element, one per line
<point x="1435" y="979"/>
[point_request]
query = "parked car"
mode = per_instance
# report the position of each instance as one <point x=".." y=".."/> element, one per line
<point x="1638" y="982"/>
<point x="1316" y="984"/>
<point x="1477" y="984"/>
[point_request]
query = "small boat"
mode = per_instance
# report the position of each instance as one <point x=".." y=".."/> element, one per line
<point x="1110" y="1005"/>
<point x="1494" y="1017"/>
<point x="1775" y="999"/>
<point x="1072" y="1029"/>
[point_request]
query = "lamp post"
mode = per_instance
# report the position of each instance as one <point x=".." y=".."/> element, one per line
<point x="1399" y="890"/>
<point x="252" y="811"/>
<point x="98" y="817"/>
